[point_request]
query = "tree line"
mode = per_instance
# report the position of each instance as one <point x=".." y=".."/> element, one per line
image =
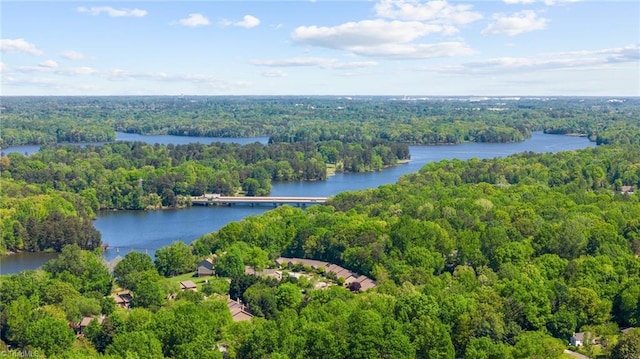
<point x="41" y="120"/>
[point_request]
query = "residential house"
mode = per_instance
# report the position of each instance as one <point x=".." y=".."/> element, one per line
<point x="366" y="283"/>
<point x="204" y="268"/>
<point x="273" y="273"/>
<point x="238" y="312"/>
<point x="86" y="321"/>
<point x="349" y="277"/>
<point x="339" y="271"/>
<point x="123" y="299"/>
<point x="290" y="262"/>
<point x="188" y="285"/>
<point x="580" y="339"/>
<point x="626" y="189"/>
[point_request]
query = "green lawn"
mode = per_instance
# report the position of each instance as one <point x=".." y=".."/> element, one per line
<point x="189" y="276"/>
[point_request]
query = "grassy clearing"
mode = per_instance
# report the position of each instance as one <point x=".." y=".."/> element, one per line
<point x="199" y="281"/>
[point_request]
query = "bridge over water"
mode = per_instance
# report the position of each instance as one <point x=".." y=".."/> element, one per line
<point x="208" y="200"/>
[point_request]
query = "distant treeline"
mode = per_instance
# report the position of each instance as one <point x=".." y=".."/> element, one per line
<point x="39" y="120"/>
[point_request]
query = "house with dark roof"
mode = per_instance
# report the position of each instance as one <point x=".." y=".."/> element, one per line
<point x="339" y="271"/>
<point x="205" y="268"/>
<point x="363" y="282"/>
<point x="366" y="283"/>
<point x="290" y="262"/>
<point x="123" y="299"/>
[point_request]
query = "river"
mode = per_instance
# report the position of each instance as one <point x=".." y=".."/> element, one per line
<point x="147" y="231"/>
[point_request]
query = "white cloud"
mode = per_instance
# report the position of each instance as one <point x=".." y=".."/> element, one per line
<point x="530" y="64"/>
<point x="397" y="31"/>
<point x="49" y="64"/>
<point x="113" y="12"/>
<point x="74" y="55"/>
<point x="439" y="11"/>
<point x="552" y="61"/>
<point x="19" y="46"/>
<point x="194" y="20"/>
<point x="559" y="2"/>
<point x="52" y="67"/>
<point x="546" y="2"/>
<point x="49" y="86"/>
<point x="3" y="67"/>
<point x="381" y="38"/>
<point x="366" y="33"/>
<point x="519" y="1"/>
<point x="248" y="22"/>
<point x="274" y="73"/>
<point x="83" y="70"/>
<point x="517" y="23"/>
<point x="324" y="63"/>
<point x="630" y="53"/>
<point x="415" y="51"/>
<point x="117" y="74"/>
<point x="208" y="81"/>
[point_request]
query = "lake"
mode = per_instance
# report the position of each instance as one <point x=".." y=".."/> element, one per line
<point x="147" y="231"/>
<point x="152" y="139"/>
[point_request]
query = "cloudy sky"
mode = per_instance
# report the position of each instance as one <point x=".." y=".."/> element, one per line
<point x="322" y="47"/>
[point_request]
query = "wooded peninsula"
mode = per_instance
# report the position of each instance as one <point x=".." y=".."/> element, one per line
<point x="517" y="257"/>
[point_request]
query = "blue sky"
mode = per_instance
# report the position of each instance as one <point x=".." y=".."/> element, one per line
<point x="385" y="47"/>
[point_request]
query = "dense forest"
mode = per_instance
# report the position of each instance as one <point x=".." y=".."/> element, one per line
<point x="37" y="120"/>
<point x="502" y="258"/>
<point x="140" y="176"/>
<point x="498" y="258"/>
<point x="309" y="137"/>
<point x="35" y="219"/>
<point x="73" y="181"/>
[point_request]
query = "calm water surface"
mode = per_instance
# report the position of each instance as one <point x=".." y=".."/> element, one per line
<point x="132" y="137"/>
<point x="147" y="231"/>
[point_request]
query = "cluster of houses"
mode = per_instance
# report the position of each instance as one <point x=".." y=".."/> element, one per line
<point x="353" y="281"/>
<point x="239" y="312"/>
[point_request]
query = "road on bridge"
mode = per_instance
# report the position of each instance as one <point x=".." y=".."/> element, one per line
<point x="213" y="200"/>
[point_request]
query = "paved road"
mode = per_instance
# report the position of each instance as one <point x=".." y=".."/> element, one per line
<point x="576" y="355"/>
